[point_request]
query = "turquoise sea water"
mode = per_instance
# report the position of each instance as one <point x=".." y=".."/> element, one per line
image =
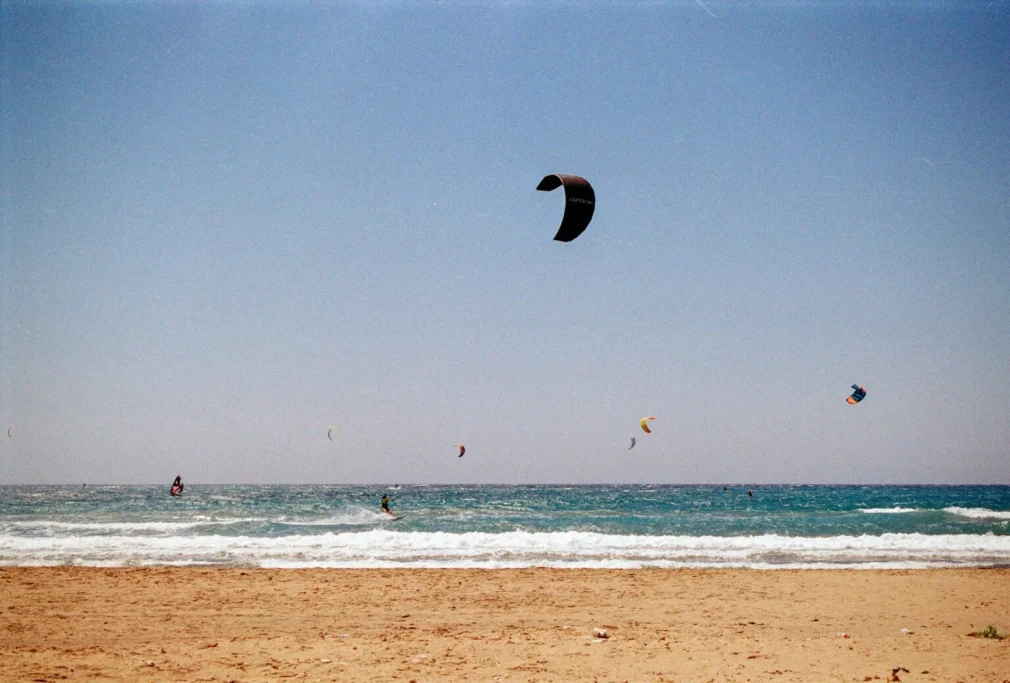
<point x="508" y="526"/>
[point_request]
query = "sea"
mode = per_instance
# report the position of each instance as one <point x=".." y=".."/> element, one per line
<point x="627" y="526"/>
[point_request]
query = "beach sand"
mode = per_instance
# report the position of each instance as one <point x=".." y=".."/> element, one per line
<point x="203" y="624"/>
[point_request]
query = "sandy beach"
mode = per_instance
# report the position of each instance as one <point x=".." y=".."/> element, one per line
<point x="200" y="624"/>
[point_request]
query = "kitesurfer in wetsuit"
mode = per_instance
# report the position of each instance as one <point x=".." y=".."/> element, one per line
<point x="385" y="505"/>
<point x="177" y="485"/>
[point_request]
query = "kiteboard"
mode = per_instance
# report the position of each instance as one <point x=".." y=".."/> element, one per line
<point x="397" y="518"/>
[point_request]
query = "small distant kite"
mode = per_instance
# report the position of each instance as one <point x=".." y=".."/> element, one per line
<point x="645" y="424"/>
<point x="632" y="443"/>
<point x="462" y="450"/>
<point x="580" y="202"/>
<point x="858" y="395"/>
<point x="329" y="432"/>
<point x="10" y="432"/>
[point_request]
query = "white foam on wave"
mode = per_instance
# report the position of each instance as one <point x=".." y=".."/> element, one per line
<point x="386" y="548"/>
<point x="120" y="527"/>
<point x="350" y="516"/>
<point x="887" y="511"/>
<point x="978" y="513"/>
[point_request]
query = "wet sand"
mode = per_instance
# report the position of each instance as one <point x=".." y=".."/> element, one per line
<point x="200" y="624"/>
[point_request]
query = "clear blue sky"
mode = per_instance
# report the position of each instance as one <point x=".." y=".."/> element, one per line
<point x="228" y="226"/>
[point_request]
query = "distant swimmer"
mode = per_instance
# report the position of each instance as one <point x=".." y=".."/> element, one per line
<point x="177" y="486"/>
<point x="750" y="494"/>
<point x="385" y="505"/>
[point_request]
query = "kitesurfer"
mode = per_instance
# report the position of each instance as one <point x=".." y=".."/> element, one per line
<point x="177" y="486"/>
<point x="385" y="505"/>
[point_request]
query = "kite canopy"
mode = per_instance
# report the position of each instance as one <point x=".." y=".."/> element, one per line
<point x="858" y="395"/>
<point x="462" y="450"/>
<point x="329" y="433"/>
<point x="580" y="202"/>
<point x="645" y="424"/>
<point x="10" y="432"/>
<point x="632" y="443"/>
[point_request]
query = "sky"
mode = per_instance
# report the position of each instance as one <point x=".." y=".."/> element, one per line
<point x="229" y="226"/>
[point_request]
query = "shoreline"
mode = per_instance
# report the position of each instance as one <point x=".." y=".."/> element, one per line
<point x="225" y="623"/>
